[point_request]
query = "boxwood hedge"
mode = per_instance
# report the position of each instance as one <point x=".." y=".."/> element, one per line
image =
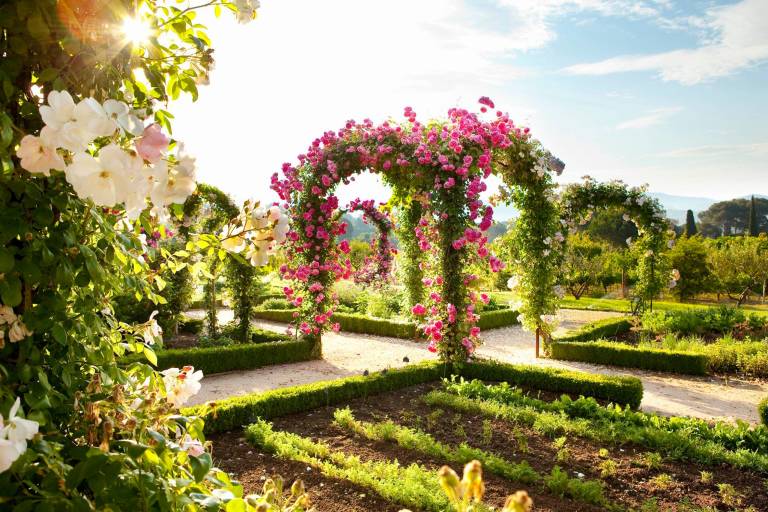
<point x="601" y="329"/>
<point x="352" y="322"/>
<point x="620" y="354"/>
<point x="232" y="413"/>
<point x="762" y="411"/>
<point x="228" y="358"/>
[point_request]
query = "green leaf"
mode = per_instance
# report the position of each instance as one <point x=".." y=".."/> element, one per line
<point x="7" y="260"/>
<point x="201" y="466"/>
<point x="92" y="264"/>
<point x="150" y="355"/>
<point x="59" y="333"/>
<point x="10" y="291"/>
<point x="236" y="505"/>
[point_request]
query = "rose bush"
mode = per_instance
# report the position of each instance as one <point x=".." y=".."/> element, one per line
<point x="88" y="164"/>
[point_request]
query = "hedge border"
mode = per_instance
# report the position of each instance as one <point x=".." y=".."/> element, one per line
<point x="235" y="412"/>
<point x="362" y="324"/>
<point x="597" y="330"/>
<point x="627" y="356"/>
<point x="245" y="356"/>
<point x="762" y="410"/>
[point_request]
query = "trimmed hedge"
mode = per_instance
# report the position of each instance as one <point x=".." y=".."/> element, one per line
<point x="235" y="412"/>
<point x="600" y="329"/>
<point x="228" y="358"/>
<point x="496" y="319"/>
<point x="353" y="322"/>
<point x="620" y="354"/>
<point x="762" y="411"/>
<point x="379" y="326"/>
<point x="617" y="389"/>
<point x="232" y="413"/>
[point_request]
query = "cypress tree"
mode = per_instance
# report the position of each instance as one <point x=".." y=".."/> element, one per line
<point x="752" y="219"/>
<point x="690" y="224"/>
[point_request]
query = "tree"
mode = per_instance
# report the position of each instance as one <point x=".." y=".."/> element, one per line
<point x="732" y="217"/>
<point x="583" y="264"/>
<point x="690" y="224"/>
<point x="691" y="258"/>
<point x="752" y="229"/>
<point x="609" y="225"/>
<point x="740" y="265"/>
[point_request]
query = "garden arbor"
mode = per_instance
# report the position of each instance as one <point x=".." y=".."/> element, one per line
<point x="440" y="168"/>
<point x="579" y="201"/>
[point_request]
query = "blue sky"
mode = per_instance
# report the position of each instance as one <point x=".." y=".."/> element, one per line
<point x="664" y="92"/>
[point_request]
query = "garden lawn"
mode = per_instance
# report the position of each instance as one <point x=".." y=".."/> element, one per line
<point x="623" y="306"/>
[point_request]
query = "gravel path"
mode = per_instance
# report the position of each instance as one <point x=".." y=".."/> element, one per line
<point x="348" y="354"/>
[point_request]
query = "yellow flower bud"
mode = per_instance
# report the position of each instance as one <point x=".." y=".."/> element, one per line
<point x="518" y="502"/>
<point x="449" y="481"/>
<point x="473" y="480"/>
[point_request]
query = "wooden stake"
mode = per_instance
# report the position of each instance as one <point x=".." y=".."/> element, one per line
<point x="538" y="335"/>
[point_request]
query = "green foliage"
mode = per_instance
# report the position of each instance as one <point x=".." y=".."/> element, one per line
<point x="275" y="303"/>
<point x="691" y="258"/>
<point x="608" y="224"/>
<point x="606" y="328"/>
<point x="679" y="438"/>
<point x="496" y="319"/>
<point x="244" y="284"/>
<point x="621" y="390"/>
<point x="412" y="486"/>
<point x="417" y="440"/>
<point x="233" y="413"/>
<point x="620" y="354"/>
<point x="731" y="217"/>
<point x="753" y="229"/>
<point x="762" y="410"/>
<point x="191" y="325"/>
<point x="718" y="320"/>
<point x="353" y="322"/>
<point x="725" y="355"/>
<point x="583" y="263"/>
<point x="740" y="265"/>
<point x="690" y="224"/>
<point x="254" y="335"/>
<point x="410" y="269"/>
<point x="588" y="491"/>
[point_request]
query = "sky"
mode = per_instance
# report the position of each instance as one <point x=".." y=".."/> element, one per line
<point x="665" y="92"/>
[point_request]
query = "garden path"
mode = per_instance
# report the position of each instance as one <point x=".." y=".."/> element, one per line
<point x="348" y="354"/>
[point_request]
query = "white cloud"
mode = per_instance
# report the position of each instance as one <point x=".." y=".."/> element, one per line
<point x="718" y="150"/>
<point x="654" y="117"/>
<point x="738" y="39"/>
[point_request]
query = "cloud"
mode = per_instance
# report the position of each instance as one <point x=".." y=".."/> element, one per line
<point x="717" y="150"/>
<point x="654" y="117"/>
<point x="736" y="37"/>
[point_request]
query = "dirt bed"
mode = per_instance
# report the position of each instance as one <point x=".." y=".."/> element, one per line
<point x="631" y="485"/>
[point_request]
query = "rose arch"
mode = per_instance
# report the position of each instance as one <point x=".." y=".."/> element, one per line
<point x="580" y="200"/>
<point x="441" y="166"/>
<point x="377" y="267"/>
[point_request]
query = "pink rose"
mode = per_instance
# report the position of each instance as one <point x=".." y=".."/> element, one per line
<point x="152" y="144"/>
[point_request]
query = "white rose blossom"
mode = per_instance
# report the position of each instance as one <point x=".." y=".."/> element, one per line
<point x="181" y="384"/>
<point x="14" y="434"/>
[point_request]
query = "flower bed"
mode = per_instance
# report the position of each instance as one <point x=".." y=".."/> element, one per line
<point x="235" y="412"/>
<point x="383" y="453"/>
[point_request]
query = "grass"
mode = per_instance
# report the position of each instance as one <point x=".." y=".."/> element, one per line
<point x="623" y="305"/>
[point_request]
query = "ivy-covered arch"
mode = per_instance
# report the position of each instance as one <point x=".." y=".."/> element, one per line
<point x="443" y="166"/>
<point x="377" y="267"/>
<point x="580" y="200"/>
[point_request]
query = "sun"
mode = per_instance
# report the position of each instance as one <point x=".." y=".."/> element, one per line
<point x="136" y="30"/>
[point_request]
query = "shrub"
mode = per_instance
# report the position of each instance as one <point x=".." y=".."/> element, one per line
<point x="367" y="325"/>
<point x="276" y="315"/>
<point x="620" y="354"/>
<point x="191" y="325"/>
<point x="620" y="390"/>
<point x="255" y="335"/>
<point x="232" y="357"/>
<point x="276" y="303"/>
<point x="600" y="329"/>
<point x="233" y="413"/>
<point x="762" y="410"/>
<point x="497" y="318"/>
<point x="721" y="320"/>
